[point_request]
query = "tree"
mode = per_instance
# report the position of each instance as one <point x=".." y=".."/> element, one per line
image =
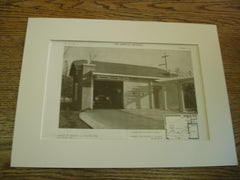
<point x="65" y="68"/>
<point x="66" y="51"/>
<point x="67" y="84"/>
<point x="92" y="55"/>
<point x="65" y="63"/>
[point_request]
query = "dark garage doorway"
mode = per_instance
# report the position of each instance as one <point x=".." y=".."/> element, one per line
<point x="157" y="91"/>
<point x="108" y="94"/>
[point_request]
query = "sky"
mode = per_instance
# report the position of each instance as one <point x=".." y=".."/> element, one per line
<point x="146" y="57"/>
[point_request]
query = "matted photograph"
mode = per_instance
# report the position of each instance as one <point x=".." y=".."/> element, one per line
<point x="128" y="86"/>
<point x="121" y="94"/>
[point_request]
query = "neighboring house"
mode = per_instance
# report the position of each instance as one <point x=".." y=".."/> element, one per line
<point x="105" y="85"/>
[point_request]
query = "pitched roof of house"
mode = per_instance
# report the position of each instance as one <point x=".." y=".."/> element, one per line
<point x="122" y="69"/>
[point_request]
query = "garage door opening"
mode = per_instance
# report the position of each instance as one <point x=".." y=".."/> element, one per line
<point x="108" y="95"/>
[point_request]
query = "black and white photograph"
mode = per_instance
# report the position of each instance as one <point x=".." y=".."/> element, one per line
<point x="126" y="88"/>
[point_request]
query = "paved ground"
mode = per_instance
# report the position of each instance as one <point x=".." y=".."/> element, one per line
<point x="114" y="119"/>
<point x="156" y="114"/>
<point x="125" y="119"/>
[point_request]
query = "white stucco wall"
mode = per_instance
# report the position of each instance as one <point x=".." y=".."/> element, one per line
<point x="136" y="95"/>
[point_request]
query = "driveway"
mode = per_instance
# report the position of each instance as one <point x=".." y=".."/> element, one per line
<point x="123" y="119"/>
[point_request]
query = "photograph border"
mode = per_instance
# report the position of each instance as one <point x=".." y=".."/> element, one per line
<point x="29" y="150"/>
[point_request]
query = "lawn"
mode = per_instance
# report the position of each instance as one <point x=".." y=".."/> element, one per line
<point x="70" y="119"/>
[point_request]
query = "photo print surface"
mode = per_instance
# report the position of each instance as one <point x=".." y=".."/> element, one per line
<point x="129" y="86"/>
